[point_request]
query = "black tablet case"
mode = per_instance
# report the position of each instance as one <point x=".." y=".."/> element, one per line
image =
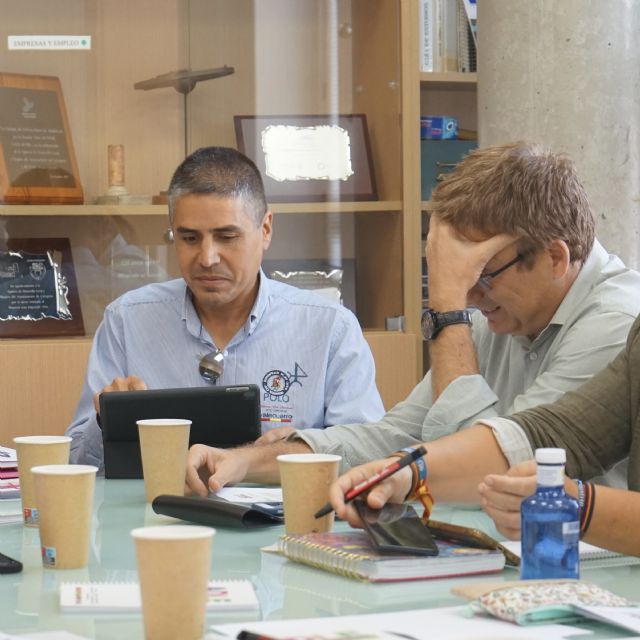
<point x="221" y="416"/>
<point x="215" y="512"/>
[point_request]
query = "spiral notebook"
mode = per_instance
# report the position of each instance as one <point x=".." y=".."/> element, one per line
<point x="352" y="554"/>
<point x="124" y="597"/>
<point x="590" y="555"/>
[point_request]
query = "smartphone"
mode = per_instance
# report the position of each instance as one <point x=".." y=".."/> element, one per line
<point x="472" y="538"/>
<point x="396" y="528"/>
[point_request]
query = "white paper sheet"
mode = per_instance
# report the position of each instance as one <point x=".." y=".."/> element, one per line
<point x="250" y="494"/>
<point x="626" y="617"/>
<point x="446" y="623"/>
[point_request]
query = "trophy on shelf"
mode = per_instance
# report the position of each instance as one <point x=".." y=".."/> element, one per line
<point x="117" y="192"/>
<point x="184" y="82"/>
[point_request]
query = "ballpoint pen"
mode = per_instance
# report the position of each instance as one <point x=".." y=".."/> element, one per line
<point x="363" y="486"/>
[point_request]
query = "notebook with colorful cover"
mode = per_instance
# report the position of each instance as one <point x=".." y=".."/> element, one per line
<point x="124" y="597"/>
<point x="351" y="553"/>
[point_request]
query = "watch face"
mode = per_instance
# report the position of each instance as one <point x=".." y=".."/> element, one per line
<point x="433" y="322"/>
<point x="428" y="324"/>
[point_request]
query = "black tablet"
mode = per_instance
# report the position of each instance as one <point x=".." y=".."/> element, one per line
<point x="221" y="416"/>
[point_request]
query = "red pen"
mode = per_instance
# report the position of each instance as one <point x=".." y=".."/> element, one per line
<point x="367" y="484"/>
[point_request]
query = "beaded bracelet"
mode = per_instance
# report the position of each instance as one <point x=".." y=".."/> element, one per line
<point x="580" y="494"/>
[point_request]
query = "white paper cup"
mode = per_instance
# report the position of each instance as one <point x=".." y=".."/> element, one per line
<point x="305" y="479"/>
<point x="173" y="565"/>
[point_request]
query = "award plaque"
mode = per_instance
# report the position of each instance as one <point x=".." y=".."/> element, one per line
<point x="38" y="290"/>
<point x="310" y="158"/>
<point x="37" y="159"/>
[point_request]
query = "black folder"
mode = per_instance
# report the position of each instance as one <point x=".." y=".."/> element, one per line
<point x="215" y="512"/>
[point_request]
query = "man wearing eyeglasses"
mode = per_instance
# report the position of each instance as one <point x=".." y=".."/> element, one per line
<point x="224" y="321"/>
<point x="525" y="304"/>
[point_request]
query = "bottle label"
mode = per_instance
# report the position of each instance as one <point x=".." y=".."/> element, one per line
<point x="550" y="475"/>
<point x="571" y="531"/>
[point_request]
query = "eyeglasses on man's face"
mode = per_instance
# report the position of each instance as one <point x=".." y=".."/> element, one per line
<point x="211" y="366"/>
<point x="486" y="280"/>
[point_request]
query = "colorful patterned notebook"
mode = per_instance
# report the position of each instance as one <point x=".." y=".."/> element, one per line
<point x="350" y="553"/>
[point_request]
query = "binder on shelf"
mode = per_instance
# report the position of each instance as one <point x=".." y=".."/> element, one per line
<point x="439" y="34"/>
<point x="429" y="46"/>
<point x="471" y="11"/>
<point x="448" y="30"/>
<point x="467" y="53"/>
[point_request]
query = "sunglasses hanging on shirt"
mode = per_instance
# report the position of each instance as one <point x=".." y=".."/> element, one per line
<point x="211" y="366"/>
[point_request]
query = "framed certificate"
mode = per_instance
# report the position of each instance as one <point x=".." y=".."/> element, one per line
<point x="37" y="159"/>
<point x="310" y="158"/>
<point x="38" y="289"/>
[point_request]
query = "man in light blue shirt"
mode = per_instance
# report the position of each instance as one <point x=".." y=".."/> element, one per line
<point x="224" y="321"/>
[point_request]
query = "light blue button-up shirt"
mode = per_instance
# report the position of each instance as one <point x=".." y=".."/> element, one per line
<point x="306" y="354"/>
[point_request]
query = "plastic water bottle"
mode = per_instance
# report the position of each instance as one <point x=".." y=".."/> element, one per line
<point x="550" y="523"/>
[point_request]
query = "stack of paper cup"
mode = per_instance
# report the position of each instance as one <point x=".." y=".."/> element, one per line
<point x="173" y="565"/>
<point x="33" y="451"/>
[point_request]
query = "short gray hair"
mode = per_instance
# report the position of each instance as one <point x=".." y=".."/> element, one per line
<point x="220" y="171"/>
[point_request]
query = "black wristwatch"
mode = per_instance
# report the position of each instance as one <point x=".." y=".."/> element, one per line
<point x="434" y="321"/>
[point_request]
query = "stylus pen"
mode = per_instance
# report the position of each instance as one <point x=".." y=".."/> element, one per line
<point x="375" y="479"/>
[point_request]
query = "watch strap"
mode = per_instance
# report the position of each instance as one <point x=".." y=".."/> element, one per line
<point x="442" y="319"/>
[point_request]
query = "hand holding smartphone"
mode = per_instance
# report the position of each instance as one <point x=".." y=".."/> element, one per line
<point x="396" y="528"/>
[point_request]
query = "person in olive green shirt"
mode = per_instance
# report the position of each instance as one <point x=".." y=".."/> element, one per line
<point x="598" y="424"/>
